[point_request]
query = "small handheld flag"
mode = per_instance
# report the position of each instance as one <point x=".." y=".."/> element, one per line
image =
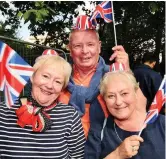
<point x="157" y="104"/>
<point x="104" y="11"/>
<point x="14" y="73"/>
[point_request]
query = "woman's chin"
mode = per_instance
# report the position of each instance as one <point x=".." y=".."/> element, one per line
<point x="44" y="103"/>
<point x="121" y="116"/>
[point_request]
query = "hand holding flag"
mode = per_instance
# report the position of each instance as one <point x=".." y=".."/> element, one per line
<point x="14" y="73"/>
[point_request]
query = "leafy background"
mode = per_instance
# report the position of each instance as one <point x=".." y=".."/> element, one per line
<point x="140" y="26"/>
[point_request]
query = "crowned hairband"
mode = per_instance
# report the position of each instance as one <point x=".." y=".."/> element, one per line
<point x="47" y="52"/>
<point x="84" y="22"/>
<point x="117" y="67"/>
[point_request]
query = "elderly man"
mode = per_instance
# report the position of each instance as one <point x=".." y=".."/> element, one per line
<point x="88" y="69"/>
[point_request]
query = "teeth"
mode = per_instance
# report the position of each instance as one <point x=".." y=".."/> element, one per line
<point x="85" y="59"/>
<point x="45" y="92"/>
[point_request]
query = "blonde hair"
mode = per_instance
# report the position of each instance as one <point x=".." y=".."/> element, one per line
<point x="107" y="77"/>
<point x="57" y="61"/>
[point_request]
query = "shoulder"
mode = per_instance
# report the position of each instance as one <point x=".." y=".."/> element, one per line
<point x="161" y="119"/>
<point x="157" y="75"/>
<point x="110" y="122"/>
<point x="159" y="124"/>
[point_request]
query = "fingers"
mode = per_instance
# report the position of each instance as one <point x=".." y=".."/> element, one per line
<point x="113" y="56"/>
<point x="130" y="146"/>
<point x="118" y="48"/>
<point x="120" y="56"/>
<point x="136" y="138"/>
<point x="135" y="144"/>
<point x="134" y="150"/>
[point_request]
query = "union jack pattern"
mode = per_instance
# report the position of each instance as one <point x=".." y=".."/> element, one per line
<point x="49" y="52"/>
<point x="14" y="73"/>
<point x="157" y="103"/>
<point x="117" y="67"/>
<point x="83" y="23"/>
<point x="103" y="10"/>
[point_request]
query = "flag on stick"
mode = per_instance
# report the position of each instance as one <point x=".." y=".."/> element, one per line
<point x="14" y="73"/>
<point x="157" y="104"/>
<point x="104" y="10"/>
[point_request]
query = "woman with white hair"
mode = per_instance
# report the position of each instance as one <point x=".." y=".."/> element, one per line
<point x="40" y="126"/>
<point x="120" y="136"/>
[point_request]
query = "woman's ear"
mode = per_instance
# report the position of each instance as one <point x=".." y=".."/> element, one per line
<point x="141" y="101"/>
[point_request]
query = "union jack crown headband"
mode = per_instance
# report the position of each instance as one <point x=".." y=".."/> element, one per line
<point x="117" y="67"/>
<point x="83" y="22"/>
<point x="49" y="52"/>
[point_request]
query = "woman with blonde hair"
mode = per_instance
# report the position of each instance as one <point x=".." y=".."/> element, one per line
<point x="120" y="135"/>
<point x="40" y="126"/>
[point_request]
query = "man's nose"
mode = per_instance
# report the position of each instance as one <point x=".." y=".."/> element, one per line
<point x="85" y="49"/>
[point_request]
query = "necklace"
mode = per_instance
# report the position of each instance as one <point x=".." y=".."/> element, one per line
<point x="117" y="132"/>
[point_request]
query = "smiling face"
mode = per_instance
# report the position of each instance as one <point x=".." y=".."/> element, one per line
<point x="47" y="84"/>
<point x="84" y="49"/>
<point x="120" y="97"/>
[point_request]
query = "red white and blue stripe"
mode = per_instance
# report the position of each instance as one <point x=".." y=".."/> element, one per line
<point x="157" y="103"/>
<point x="83" y="23"/>
<point x="117" y="67"/>
<point x="103" y="10"/>
<point x="49" y="52"/>
<point x="14" y="73"/>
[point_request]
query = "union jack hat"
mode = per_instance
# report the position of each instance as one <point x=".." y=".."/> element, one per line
<point x="83" y="23"/>
<point x="49" y="52"/>
<point x="117" y="67"/>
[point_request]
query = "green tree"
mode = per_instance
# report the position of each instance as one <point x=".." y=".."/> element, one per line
<point x="52" y="17"/>
<point x="9" y="23"/>
<point x="140" y="26"/>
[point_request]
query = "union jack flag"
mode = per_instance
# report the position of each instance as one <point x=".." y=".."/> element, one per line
<point x="103" y="10"/>
<point x="14" y="73"/>
<point x="157" y="103"/>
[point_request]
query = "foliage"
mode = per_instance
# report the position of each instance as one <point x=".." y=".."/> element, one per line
<point x="52" y="17"/>
<point x="10" y="23"/>
<point x="140" y="25"/>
